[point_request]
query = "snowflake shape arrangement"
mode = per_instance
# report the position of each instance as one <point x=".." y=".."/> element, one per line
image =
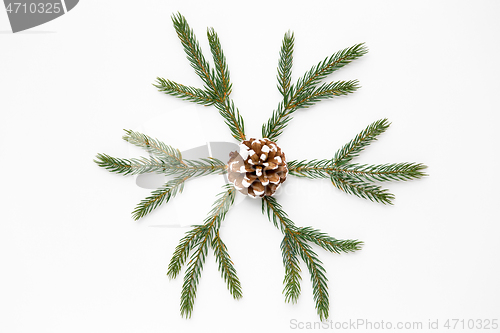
<point x="258" y="168"/>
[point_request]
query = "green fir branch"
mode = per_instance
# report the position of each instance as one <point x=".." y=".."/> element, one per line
<point x="190" y="169"/>
<point x="278" y="121"/>
<point x="182" y="250"/>
<point x="223" y="85"/>
<point x="298" y="245"/>
<point x="285" y="65"/>
<point x="204" y="167"/>
<point x="310" y="169"/>
<point x="158" y="197"/>
<point x="327" y="242"/>
<point x="292" y="269"/>
<point x="363" y="139"/>
<point x="232" y="118"/>
<point x="304" y="93"/>
<point x="325" y="91"/>
<point x="187" y="93"/>
<point x="153" y="146"/>
<point x="381" y="172"/>
<point x="333" y="63"/>
<point x="353" y="185"/>
<point x="318" y="278"/>
<point x="217" y="83"/>
<point x="384" y="172"/>
<point x="133" y="166"/>
<point x="226" y="268"/>
<point x="194" y="54"/>
<point x="205" y="236"/>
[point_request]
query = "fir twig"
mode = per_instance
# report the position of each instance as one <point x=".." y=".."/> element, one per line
<point x="187" y="93"/>
<point x="292" y="268"/>
<point x="223" y="85"/>
<point x="194" y="54"/>
<point x="380" y="172"/>
<point x="133" y="166"/>
<point x="232" y="118"/>
<point x="226" y="268"/>
<point x="153" y="146"/>
<point x="217" y="83"/>
<point x="384" y="172"/>
<point x="352" y="185"/>
<point x="298" y="245"/>
<point x="363" y="139"/>
<point x="285" y="64"/>
<point x="338" y="60"/>
<point x="327" y="242"/>
<point x="325" y="91"/>
<point x="159" y="196"/>
<point x="304" y="93"/>
<point x="182" y="250"/>
<point x="205" y="236"/>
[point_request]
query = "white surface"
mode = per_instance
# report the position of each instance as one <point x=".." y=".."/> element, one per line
<point x="72" y="259"/>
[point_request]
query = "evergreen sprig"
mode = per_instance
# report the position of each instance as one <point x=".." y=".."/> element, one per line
<point x="217" y="86"/>
<point x="379" y="172"/>
<point x="295" y="243"/>
<point x="153" y="146"/>
<point x="195" y="54"/>
<point x="158" y="197"/>
<point x="133" y="166"/>
<point x="163" y="160"/>
<point x="187" y="93"/>
<point x="199" y="240"/>
<point x="222" y="82"/>
<point x="355" y="146"/>
<point x="362" y="189"/>
<point x="305" y="92"/>
<point x="285" y="64"/>
<point x="356" y="178"/>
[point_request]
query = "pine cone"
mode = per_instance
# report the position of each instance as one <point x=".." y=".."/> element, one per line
<point x="258" y="169"/>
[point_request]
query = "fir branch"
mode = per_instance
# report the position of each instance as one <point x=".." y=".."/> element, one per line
<point x="325" y="91"/>
<point x="189" y="169"/>
<point x="292" y="269"/>
<point x="193" y="273"/>
<point x="318" y="278"/>
<point x="381" y="172"/>
<point x="133" y="166"/>
<point x="232" y="118"/>
<point x="194" y="54"/>
<point x="353" y="185"/>
<point x="363" y="139"/>
<point x="384" y="172"/>
<point x="338" y="60"/>
<point x="226" y="268"/>
<point x="285" y="65"/>
<point x="278" y="121"/>
<point x="223" y="84"/>
<point x="327" y="242"/>
<point x="182" y="250"/>
<point x="310" y="169"/>
<point x="303" y="94"/>
<point x="159" y="196"/>
<point x="276" y="214"/>
<point x="208" y="231"/>
<point x="191" y="94"/>
<point x="203" y="167"/>
<point x="153" y="146"/>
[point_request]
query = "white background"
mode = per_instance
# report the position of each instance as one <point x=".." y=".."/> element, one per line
<point x="73" y="260"/>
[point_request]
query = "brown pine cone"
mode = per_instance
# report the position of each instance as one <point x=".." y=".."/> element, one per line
<point x="258" y="169"/>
